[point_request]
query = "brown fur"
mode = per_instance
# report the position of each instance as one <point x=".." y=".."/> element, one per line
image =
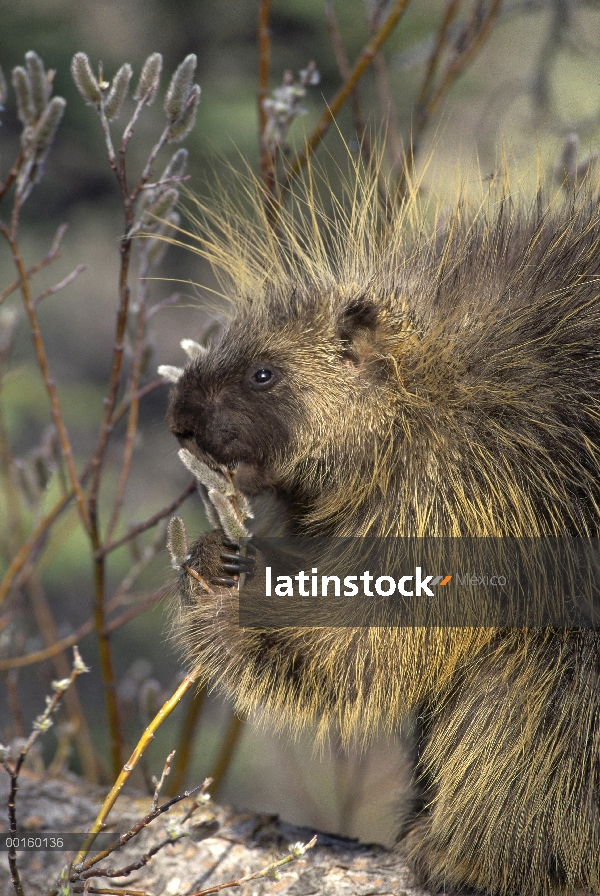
<point x="440" y="380"/>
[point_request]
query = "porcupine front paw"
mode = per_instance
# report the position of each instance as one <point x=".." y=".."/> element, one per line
<point x="215" y="560"/>
<point x="234" y="563"/>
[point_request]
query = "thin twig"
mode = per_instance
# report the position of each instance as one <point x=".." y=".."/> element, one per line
<point x="198" y="577"/>
<point x="386" y="101"/>
<point x="155" y="812"/>
<point x="159" y="784"/>
<point x="12" y="175"/>
<point x="52" y="254"/>
<point x="476" y="35"/>
<point x="343" y="65"/>
<point x="132" y="420"/>
<point x="127" y="769"/>
<point x="151" y="521"/>
<point x="113" y="891"/>
<point x="58" y="286"/>
<point x="363" y="62"/>
<point x="163" y="303"/>
<point x="143" y="605"/>
<point x="47" y="627"/>
<point x="55" y="408"/>
<point x="106" y="664"/>
<point x="149" y="167"/>
<point x="434" y="59"/>
<point x="296" y="851"/>
<point x="41" y="724"/>
<point x="39" y="656"/>
<point x="128" y="869"/>
<point x="267" y="162"/>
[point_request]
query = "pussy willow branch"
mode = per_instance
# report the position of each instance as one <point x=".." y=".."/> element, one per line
<point x="27" y="550"/>
<point x="132" y="420"/>
<point x="149" y="167"/>
<point x="117" y="162"/>
<point x="52" y="290"/>
<point x="5" y="187"/>
<point x="55" y="408"/>
<point x="434" y="59"/>
<point x="62" y="668"/>
<point x="477" y="34"/>
<point x="386" y="100"/>
<point x="38" y="266"/>
<point x="151" y="521"/>
<point x="14" y="770"/>
<point x="267" y="162"/>
<point x="127" y="769"/>
<point x="39" y="656"/>
<point x="363" y="62"/>
<point x="264" y="872"/>
<point x="87" y="866"/>
<point x="343" y="65"/>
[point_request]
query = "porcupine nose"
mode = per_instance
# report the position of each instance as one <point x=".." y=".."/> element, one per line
<point x="217" y="432"/>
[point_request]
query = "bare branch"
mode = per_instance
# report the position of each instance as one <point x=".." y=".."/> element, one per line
<point x="58" y="286"/>
<point x="363" y="62"/>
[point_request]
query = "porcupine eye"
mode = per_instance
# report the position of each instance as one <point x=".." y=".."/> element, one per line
<point x="262" y="377"/>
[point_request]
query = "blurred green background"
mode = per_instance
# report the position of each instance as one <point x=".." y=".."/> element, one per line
<point x="536" y="80"/>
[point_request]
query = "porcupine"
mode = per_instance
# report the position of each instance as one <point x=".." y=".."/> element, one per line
<point x="382" y="376"/>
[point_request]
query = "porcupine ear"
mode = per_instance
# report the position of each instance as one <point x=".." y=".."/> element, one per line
<point x="356" y="320"/>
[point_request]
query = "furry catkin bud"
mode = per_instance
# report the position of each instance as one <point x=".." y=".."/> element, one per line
<point x="48" y="123"/>
<point x="78" y="665"/>
<point x="209" y="510"/>
<point x="209" y="478"/>
<point x="85" y="80"/>
<point x="192" y="349"/>
<point x="38" y="82"/>
<point x="179" y="88"/>
<point x="147" y="86"/>
<point x="169" y="372"/>
<point x="231" y="523"/>
<point x="177" y="542"/>
<point x="182" y="127"/>
<point x="177" y="165"/>
<point x="162" y="206"/>
<point x="118" y="92"/>
<point x="20" y="82"/>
